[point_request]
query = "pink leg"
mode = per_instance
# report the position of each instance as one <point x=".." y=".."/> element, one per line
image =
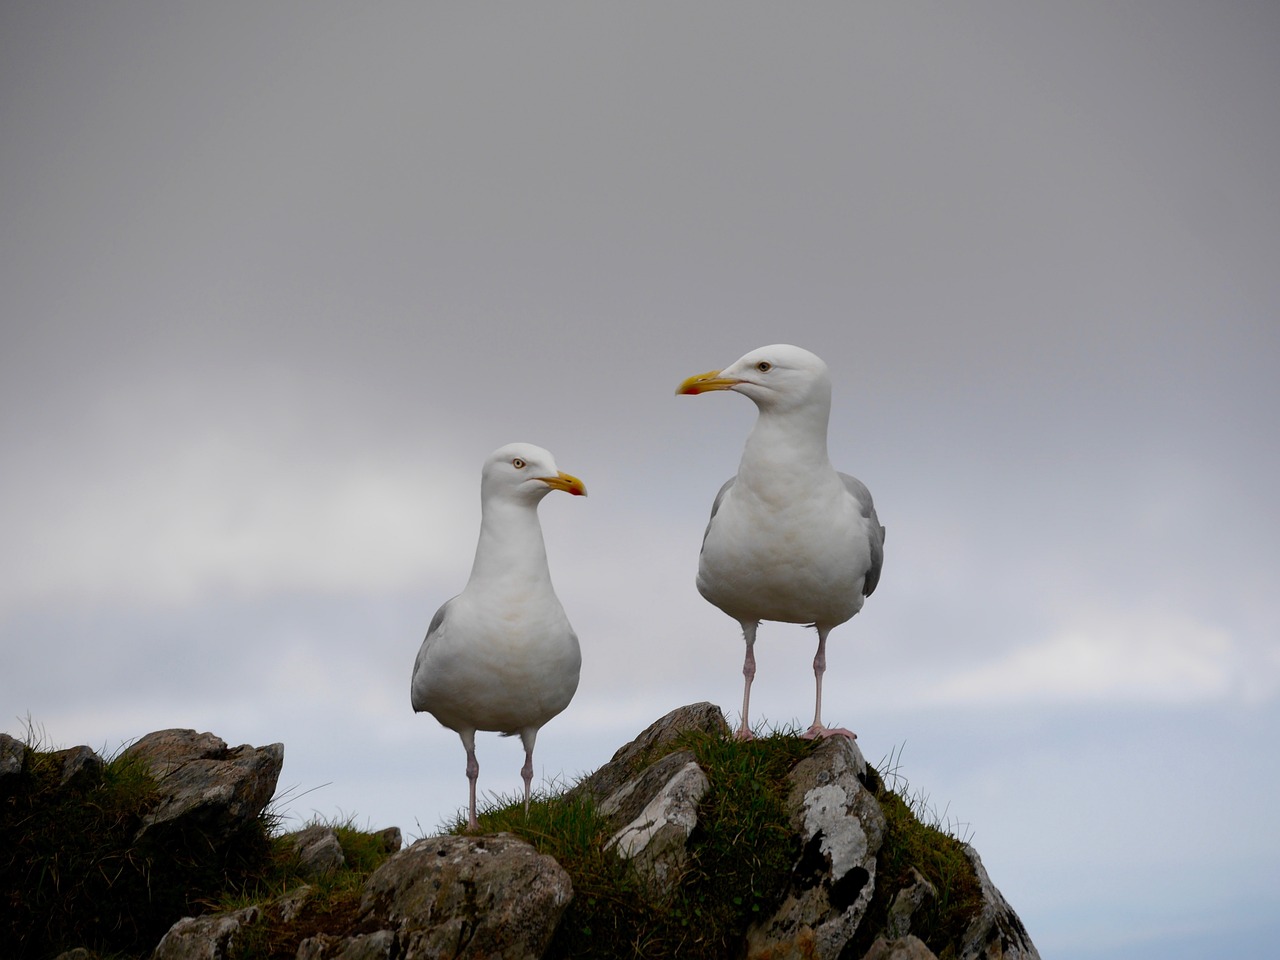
<point x="749" y="674"/>
<point x="527" y="737"/>
<point x="819" y="668"/>
<point x="473" y="774"/>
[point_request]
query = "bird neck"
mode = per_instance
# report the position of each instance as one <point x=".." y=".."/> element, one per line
<point x="510" y="543"/>
<point x="787" y="440"/>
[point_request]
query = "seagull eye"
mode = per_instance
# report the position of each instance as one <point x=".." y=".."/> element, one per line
<point x="764" y="366"/>
<point x="518" y="463"/>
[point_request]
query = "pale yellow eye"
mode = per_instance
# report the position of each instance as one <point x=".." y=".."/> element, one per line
<point x="764" y="366"/>
<point x="518" y="463"/>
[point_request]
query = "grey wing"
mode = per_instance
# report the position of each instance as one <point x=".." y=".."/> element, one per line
<point x="432" y="632"/>
<point x="715" y="505"/>
<point x="858" y="490"/>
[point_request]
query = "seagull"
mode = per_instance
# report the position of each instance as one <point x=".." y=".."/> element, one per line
<point x="501" y="655"/>
<point x="790" y="539"/>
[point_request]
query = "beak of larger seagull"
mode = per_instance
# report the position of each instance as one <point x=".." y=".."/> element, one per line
<point x="704" y="382"/>
<point x="566" y="482"/>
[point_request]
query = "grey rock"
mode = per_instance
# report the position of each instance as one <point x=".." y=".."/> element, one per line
<point x="652" y="805"/>
<point x="467" y="897"/>
<point x="996" y="933"/>
<point x="318" y="850"/>
<point x="635" y="756"/>
<point x="212" y="937"/>
<point x="216" y="936"/>
<point x="167" y="751"/>
<point x="391" y="839"/>
<point x="291" y="903"/>
<point x="626" y="803"/>
<point x="204" y="785"/>
<point x="902" y="948"/>
<point x="13" y="754"/>
<point x="907" y="902"/>
<point x="841" y="827"/>
<point x="81" y="767"/>
<point x="379" y="945"/>
<point x="656" y="840"/>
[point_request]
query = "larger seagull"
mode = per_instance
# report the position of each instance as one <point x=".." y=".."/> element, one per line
<point x="501" y="654"/>
<point x="790" y="539"/>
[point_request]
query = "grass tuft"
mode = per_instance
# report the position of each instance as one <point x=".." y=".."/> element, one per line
<point x="741" y="855"/>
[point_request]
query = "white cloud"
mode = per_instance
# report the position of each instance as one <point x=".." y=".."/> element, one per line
<point x="219" y="508"/>
<point x="1143" y="657"/>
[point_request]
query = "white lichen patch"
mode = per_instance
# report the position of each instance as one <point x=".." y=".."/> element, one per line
<point x="826" y="809"/>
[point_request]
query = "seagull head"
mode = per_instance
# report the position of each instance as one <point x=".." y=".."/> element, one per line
<point x="777" y="377"/>
<point x="524" y="472"/>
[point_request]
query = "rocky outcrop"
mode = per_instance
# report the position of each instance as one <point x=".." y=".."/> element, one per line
<point x="909" y="901"/>
<point x="457" y="897"/>
<point x="649" y="793"/>
<point x="211" y="937"/>
<point x="652" y="797"/>
<point x="111" y="854"/>
<point x="201" y="784"/>
<point x="656" y="839"/>
<point x="81" y="767"/>
<point x="390" y="839"/>
<point x="634" y="758"/>
<point x="492" y="896"/>
<point x="904" y="948"/>
<point x="496" y="896"/>
<point x="996" y="933"/>
<point x="78" y="767"/>
<point x="318" y="850"/>
<point x="12" y="754"/>
<point x="204" y="785"/>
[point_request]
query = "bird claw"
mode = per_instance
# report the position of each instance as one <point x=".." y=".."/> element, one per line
<point x="744" y="733"/>
<point x="818" y="730"/>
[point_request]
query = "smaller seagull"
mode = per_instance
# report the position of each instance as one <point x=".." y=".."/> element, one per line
<point x="790" y="539"/>
<point x="501" y="655"/>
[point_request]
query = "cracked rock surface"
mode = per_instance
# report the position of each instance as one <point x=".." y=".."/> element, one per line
<point x="482" y="897"/>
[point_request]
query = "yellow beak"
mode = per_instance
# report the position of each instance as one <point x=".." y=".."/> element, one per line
<point x="566" y="482"/>
<point x="703" y="382"/>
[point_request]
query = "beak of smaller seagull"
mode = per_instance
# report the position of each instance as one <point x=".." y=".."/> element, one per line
<point x="704" y="382"/>
<point x="566" y="482"/>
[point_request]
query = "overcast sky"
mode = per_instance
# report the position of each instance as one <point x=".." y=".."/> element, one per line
<point x="275" y="278"/>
